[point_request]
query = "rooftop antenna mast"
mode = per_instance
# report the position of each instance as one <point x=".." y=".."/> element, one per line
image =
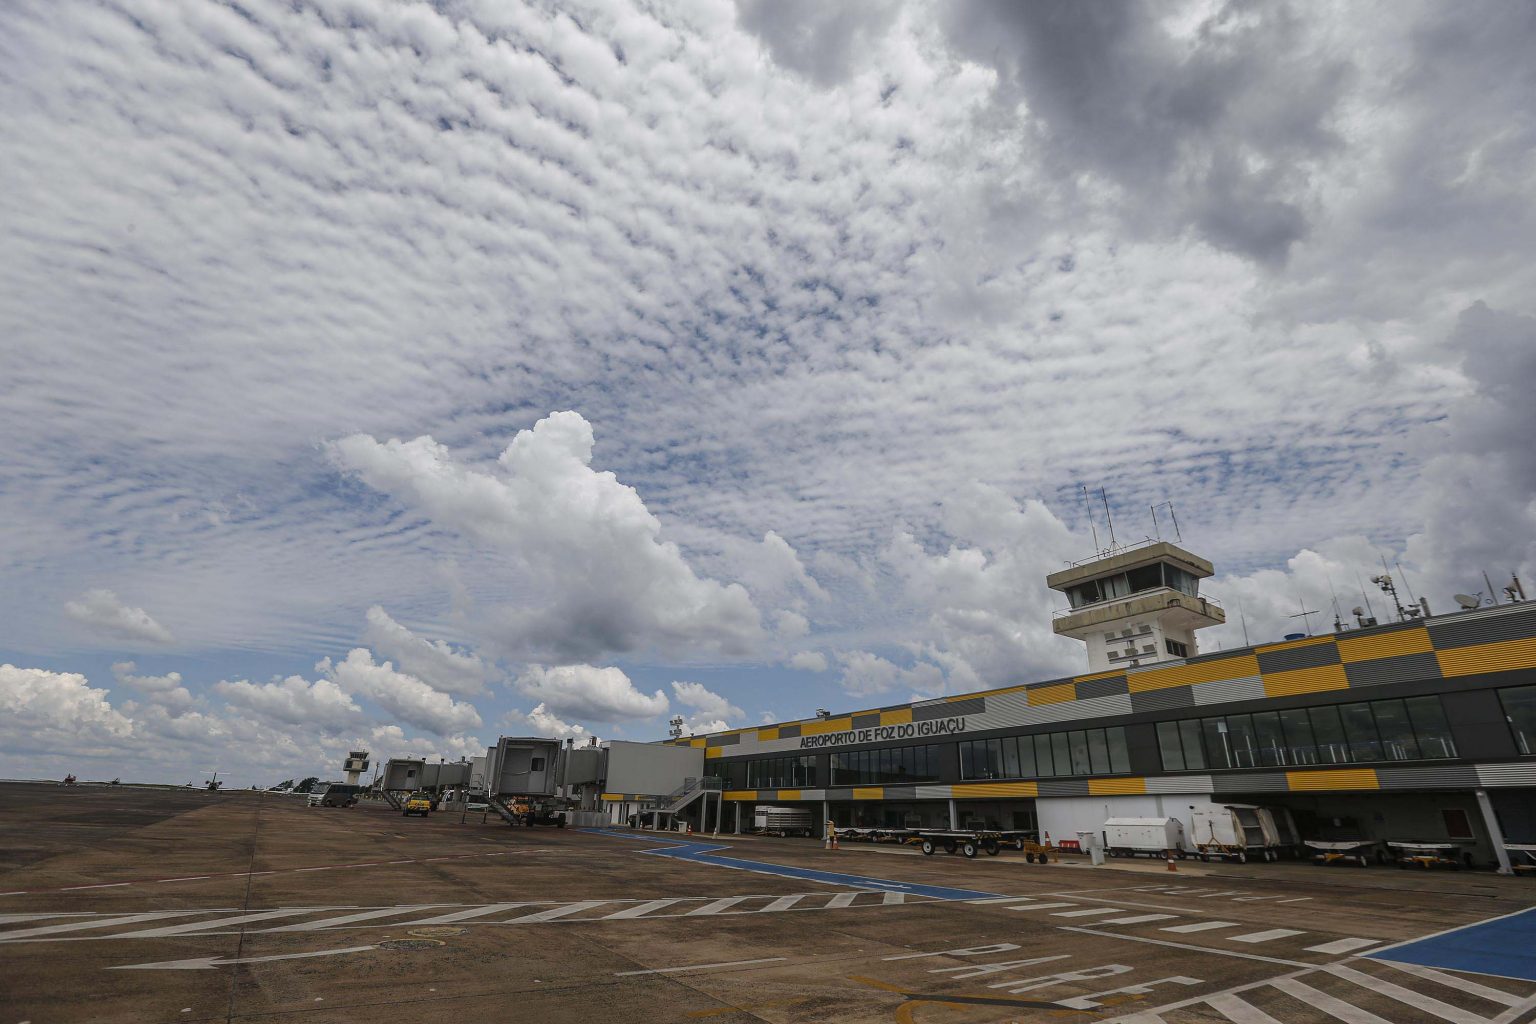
<point x="1303" y="615"/>
<point x="1389" y="587"/>
<point x="1492" y="594"/>
<point x="1244" y="620"/>
<point x="1338" y="613"/>
<point x="1364" y="596"/>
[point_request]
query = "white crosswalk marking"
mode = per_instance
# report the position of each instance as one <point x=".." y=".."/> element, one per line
<point x="76" y="926"/>
<point x="1043" y="906"/>
<point x="1238" y="1011"/>
<point x="715" y="906"/>
<point x="1493" y="995"/>
<point x="1136" y="919"/>
<point x="1000" y="899"/>
<point x="556" y="912"/>
<point x="458" y="915"/>
<point x="893" y="897"/>
<point x="1343" y="945"/>
<point x="1265" y="936"/>
<point x="842" y="899"/>
<point x="218" y="924"/>
<point x="1320" y="1000"/>
<point x="1091" y="912"/>
<point x="782" y="903"/>
<point x="1200" y="926"/>
<point x="333" y="922"/>
<point x="1443" y="1010"/>
<point x="639" y="910"/>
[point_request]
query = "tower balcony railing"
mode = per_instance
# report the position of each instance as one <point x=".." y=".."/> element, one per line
<point x="1138" y="595"/>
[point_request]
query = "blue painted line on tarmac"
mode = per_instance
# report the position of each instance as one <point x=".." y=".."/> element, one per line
<point x="705" y="853"/>
<point x="1504" y="947"/>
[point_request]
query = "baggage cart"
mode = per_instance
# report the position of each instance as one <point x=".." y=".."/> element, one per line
<point x="1430" y="855"/>
<point x="970" y="842"/>
<point x="1345" y="851"/>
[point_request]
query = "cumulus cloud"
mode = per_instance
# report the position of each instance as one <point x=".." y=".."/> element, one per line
<point x="47" y="711"/>
<point x="165" y="690"/>
<point x="808" y="661"/>
<point x="403" y="695"/>
<point x="461" y="673"/>
<point x="586" y="544"/>
<point x="706" y="704"/>
<point x="104" y="612"/>
<point x="292" y="701"/>
<point x="589" y="692"/>
<point x="540" y="722"/>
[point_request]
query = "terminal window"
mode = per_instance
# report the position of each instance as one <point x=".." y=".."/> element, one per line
<point x="1377" y="730"/>
<point x="918" y="763"/>
<point x="1520" y="712"/>
<point x="1046" y="755"/>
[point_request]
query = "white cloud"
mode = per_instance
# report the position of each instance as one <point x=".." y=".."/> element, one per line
<point x="49" y="712"/>
<point x="460" y="673"/>
<point x="808" y="661"/>
<point x="589" y="692"/>
<point x="103" y="611"/>
<point x="407" y="698"/>
<point x="584" y="544"/>
<point x="706" y="703"/>
<point x="166" y="690"/>
<point x="791" y="625"/>
<point x="540" y="722"/>
<point x="292" y="701"/>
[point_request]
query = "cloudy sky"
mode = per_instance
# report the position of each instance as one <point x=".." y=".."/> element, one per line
<point x="406" y="374"/>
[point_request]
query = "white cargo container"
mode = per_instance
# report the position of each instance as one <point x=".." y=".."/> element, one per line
<point x="1238" y="831"/>
<point x="782" y="821"/>
<point x="1127" y="837"/>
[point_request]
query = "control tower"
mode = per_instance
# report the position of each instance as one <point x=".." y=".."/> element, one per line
<point x="1135" y="605"/>
<point x="355" y="764"/>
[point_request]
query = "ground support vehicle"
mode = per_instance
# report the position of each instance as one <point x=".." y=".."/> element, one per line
<point x="1430" y="855"/>
<point x="1155" y="837"/>
<point x="1522" y="858"/>
<point x="1235" y="831"/>
<point x="855" y="834"/>
<point x="542" y="812"/>
<point x="1345" y="851"/>
<point x="768" y="820"/>
<point x="417" y="803"/>
<point x="972" y="841"/>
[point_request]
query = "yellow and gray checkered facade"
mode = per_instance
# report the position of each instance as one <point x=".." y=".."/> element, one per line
<point x="1478" y="649"/>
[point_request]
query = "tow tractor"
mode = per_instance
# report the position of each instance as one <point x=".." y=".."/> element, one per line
<point x="549" y="811"/>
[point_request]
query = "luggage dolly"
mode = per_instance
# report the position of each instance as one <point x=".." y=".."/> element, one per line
<point x="969" y="842"/>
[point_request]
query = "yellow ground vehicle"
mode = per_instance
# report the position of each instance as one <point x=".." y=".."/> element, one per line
<point x="417" y="803"/>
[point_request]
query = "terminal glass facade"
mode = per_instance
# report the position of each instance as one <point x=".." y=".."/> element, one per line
<point x="1377" y="730"/>
<point x="1520" y="711"/>
<point x="883" y="767"/>
<point x="1078" y="752"/>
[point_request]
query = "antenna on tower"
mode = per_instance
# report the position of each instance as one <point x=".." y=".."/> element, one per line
<point x="1088" y="507"/>
<point x="676" y="730"/>
<point x="1104" y="496"/>
<point x="1156" y="528"/>
<point x="1244" y="620"/>
<point x="1369" y="611"/>
<point x="1493" y="595"/>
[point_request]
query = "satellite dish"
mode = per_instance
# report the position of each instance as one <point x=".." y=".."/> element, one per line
<point x="1467" y="601"/>
<point x="1357" y="611"/>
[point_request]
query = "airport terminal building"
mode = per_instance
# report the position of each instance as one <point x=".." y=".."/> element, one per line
<point x="1421" y="729"/>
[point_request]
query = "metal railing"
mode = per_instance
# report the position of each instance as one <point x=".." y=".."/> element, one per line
<point x="1151" y="592"/>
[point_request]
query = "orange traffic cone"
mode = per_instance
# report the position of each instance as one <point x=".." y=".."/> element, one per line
<point x="1171" y="865"/>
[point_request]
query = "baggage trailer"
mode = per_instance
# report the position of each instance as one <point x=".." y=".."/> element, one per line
<point x="1522" y="857"/>
<point x="1430" y="855"/>
<point x="972" y="841"/>
<point x="1156" y="837"/>
<point x="1238" y="831"/>
<point x="1345" y="851"/>
<point x="769" y="820"/>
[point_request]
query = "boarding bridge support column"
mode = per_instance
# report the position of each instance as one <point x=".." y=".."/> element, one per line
<point x="1496" y="834"/>
<point x="954" y="814"/>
